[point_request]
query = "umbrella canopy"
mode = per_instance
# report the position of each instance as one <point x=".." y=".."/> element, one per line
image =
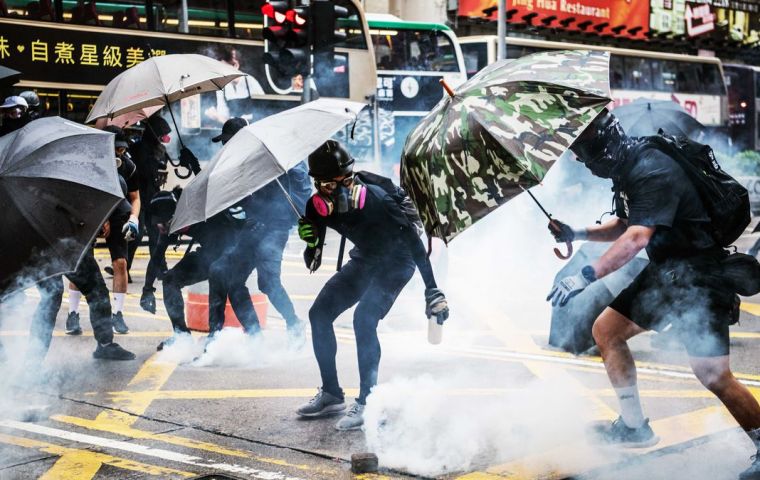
<point x="58" y="183"/>
<point x="8" y="76"/>
<point x="159" y="81"/>
<point x="644" y="117"/>
<point x="499" y="133"/>
<point x="258" y="154"/>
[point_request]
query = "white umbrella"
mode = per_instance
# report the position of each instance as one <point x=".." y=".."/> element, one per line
<point x="258" y="154"/>
<point x="159" y="81"/>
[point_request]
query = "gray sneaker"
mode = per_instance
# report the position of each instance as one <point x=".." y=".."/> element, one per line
<point x="323" y="403"/>
<point x="72" y="324"/>
<point x="353" y="419"/>
<point x="119" y="325"/>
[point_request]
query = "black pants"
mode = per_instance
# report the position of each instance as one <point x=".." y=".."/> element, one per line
<point x="153" y="234"/>
<point x="263" y="252"/>
<point x="192" y="268"/>
<point x="227" y="277"/>
<point x="89" y="281"/>
<point x="375" y="286"/>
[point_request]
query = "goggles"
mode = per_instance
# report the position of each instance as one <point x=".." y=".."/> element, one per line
<point x="333" y="184"/>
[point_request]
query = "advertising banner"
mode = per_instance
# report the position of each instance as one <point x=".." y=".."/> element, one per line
<point x="631" y="13"/>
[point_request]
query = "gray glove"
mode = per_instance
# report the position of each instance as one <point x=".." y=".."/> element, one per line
<point x="566" y="289"/>
<point x="436" y="304"/>
<point x="563" y="232"/>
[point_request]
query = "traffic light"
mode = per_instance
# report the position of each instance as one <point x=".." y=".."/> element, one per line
<point x="287" y="37"/>
<point x="330" y="68"/>
<point x="326" y="16"/>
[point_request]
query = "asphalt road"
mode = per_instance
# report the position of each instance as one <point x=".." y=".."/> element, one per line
<point x="492" y="401"/>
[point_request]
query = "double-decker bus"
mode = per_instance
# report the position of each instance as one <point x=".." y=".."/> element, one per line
<point x="411" y="58"/>
<point x="695" y="83"/>
<point x="68" y="57"/>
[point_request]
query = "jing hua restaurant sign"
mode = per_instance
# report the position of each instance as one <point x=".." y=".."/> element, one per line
<point x="93" y="56"/>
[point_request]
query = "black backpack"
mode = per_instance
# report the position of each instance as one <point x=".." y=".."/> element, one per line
<point x="725" y="199"/>
<point x="407" y="207"/>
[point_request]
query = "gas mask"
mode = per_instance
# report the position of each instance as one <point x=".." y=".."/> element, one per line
<point x="343" y="199"/>
<point x="601" y="147"/>
<point x="118" y="162"/>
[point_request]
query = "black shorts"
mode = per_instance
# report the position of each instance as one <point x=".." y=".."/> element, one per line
<point x="686" y="294"/>
<point x="115" y="242"/>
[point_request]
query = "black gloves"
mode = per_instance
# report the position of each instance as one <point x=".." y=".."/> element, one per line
<point x="148" y="300"/>
<point x="188" y="160"/>
<point x="436" y="304"/>
<point x="562" y="232"/>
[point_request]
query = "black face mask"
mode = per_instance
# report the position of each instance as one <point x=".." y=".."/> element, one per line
<point x="601" y="147"/>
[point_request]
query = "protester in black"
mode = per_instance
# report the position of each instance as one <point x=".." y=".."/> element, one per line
<point x="386" y="251"/>
<point x="120" y="228"/>
<point x="261" y="247"/>
<point x="658" y="209"/>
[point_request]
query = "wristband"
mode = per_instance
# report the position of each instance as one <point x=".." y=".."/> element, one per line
<point x="581" y="234"/>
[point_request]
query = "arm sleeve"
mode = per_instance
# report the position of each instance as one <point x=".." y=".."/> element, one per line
<point x="419" y="254"/>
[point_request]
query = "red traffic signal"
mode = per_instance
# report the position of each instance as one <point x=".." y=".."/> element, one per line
<point x="275" y="10"/>
<point x="296" y="16"/>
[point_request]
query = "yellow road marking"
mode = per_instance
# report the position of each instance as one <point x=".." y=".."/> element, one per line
<point x="582" y="456"/>
<point x="744" y="335"/>
<point x="751" y="308"/>
<point x="78" y="464"/>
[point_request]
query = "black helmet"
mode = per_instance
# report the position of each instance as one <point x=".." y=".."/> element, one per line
<point x="599" y="146"/>
<point x="330" y="160"/>
<point x="31" y="98"/>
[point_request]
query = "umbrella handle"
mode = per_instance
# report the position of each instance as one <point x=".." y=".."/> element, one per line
<point x="189" y="173"/>
<point x="562" y="256"/>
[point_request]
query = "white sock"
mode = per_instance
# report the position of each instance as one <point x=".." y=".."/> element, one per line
<point x="630" y="406"/>
<point x="118" y="302"/>
<point x="74" y="297"/>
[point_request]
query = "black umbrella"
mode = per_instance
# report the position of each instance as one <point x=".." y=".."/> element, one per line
<point x="58" y="183"/>
<point x="8" y="76"/>
<point x="645" y="117"/>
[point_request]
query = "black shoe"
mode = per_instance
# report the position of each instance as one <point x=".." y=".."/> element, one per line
<point x="119" y="326"/>
<point x="108" y="270"/>
<point x="112" y="351"/>
<point x="619" y="434"/>
<point x="72" y="324"/>
<point x="753" y="472"/>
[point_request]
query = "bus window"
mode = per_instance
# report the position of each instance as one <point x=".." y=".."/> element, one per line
<point x="414" y="50"/>
<point x="475" y="57"/>
<point x="688" y="78"/>
<point x="710" y="80"/>
<point x="639" y="73"/>
<point x="617" y="72"/>
<point x="516" y="51"/>
<point x="664" y="73"/>
<point x="203" y="18"/>
<point x="248" y="20"/>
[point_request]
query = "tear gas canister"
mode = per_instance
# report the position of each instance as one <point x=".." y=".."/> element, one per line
<point x="435" y="331"/>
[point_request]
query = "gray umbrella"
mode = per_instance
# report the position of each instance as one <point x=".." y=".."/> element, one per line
<point x="8" y="76"/>
<point x="58" y="184"/>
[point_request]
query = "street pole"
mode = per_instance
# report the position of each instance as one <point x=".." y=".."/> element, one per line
<point x="501" y="31"/>
<point x="183" y="20"/>
<point x="306" y="93"/>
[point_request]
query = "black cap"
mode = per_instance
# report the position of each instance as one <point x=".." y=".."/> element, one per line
<point x="230" y="128"/>
<point x="121" y="137"/>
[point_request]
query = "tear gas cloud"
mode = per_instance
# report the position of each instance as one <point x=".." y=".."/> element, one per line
<point x="499" y="274"/>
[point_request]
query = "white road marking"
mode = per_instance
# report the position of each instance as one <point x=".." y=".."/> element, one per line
<point x="148" y="451"/>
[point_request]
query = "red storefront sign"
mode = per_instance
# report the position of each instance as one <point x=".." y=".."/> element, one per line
<point x="614" y="13"/>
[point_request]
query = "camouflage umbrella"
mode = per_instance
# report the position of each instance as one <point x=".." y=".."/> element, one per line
<point x="498" y="134"/>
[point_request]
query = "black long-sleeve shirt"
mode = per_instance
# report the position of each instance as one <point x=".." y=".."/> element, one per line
<point x="378" y="231"/>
